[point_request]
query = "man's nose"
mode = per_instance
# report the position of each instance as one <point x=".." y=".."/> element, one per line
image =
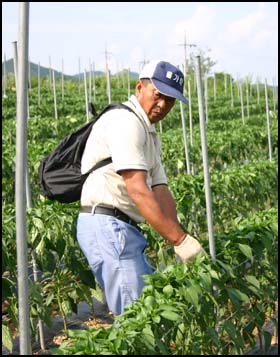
<point x="162" y="103"/>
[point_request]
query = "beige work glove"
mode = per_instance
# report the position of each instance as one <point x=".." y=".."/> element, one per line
<point x="188" y="249"/>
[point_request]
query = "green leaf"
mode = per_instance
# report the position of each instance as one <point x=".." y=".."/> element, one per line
<point x="66" y="307"/>
<point x="170" y="315"/>
<point x="40" y="247"/>
<point x="191" y="294"/>
<point x="253" y="280"/>
<point x="227" y="268"/>
<point x="214" y="274"/>
<point x="236" y="296"/>
<point x="88" y="278"/>
<point x="7" y="338"/>
<point x="38" y="223"/>
<point x="246" y="250"/>
<point x="214" y="336"/>
<point x="148" y="337"/>
<point x="156" y="319"/>
<point x="163" y="349"/>
<point x="234" y="333"/>
<point x="168" y="307"/>
<point x="206" y="281"/>
<point x="60" y="247"/>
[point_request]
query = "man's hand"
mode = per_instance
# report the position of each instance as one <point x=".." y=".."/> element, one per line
<point x="188" y="249"/>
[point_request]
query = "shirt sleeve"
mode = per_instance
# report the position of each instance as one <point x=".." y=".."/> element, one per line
<point x="126" y="138"/>
<point x="158" y="175"/>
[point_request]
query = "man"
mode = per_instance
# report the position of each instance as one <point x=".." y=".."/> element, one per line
<point x="131" y="189"/>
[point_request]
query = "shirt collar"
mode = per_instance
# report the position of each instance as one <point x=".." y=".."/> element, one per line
<point x="135" y="105"/>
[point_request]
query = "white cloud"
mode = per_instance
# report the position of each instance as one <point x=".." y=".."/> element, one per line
<point x="199" y="28"/>
<point x="253" y="29"/>
<point x="136" y="55"/>
<point x="261" y="38"/>
<point x="248" y="37"/>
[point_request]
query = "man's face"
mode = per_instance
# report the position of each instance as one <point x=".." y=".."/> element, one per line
<point x="155" y="104"/>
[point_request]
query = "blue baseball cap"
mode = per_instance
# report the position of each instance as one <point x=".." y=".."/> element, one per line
<point x="167" y="79"/>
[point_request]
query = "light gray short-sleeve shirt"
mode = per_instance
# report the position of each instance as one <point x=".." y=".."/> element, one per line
<point x="133" y="143"/>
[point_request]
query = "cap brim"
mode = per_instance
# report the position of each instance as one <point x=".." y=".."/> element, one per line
<point x="169" y="91"/>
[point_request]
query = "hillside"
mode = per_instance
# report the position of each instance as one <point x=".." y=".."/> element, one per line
<point x="44" y="71"/>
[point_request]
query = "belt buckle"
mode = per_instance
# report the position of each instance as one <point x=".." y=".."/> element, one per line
<point x="93" y="208"/>
<point x="116" y="213"/>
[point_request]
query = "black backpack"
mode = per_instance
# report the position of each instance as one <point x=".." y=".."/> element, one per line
<point x="60" y="175"/>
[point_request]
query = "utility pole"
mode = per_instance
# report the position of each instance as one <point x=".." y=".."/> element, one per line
<point x="107" y="75"/>
<point x="106" y="58"/>
<point x="185" y="44"/>
<point x="143" y="63"/>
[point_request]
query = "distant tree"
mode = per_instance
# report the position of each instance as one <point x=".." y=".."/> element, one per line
<point x="206" y="63"/>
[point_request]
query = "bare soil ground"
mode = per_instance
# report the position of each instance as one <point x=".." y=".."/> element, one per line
<point x="54" y="337"/>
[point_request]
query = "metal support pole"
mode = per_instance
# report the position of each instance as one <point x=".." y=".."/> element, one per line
<point x="21" y="229"/>
<point x="89" y="80"/>
<point x="93" y="80"/>
<point x="274" y="94"/>
<point x="86" y="95"/>
<point x="128" y="83"/>
<point x="215" y="88"/>
<point x="258" y="91"/>
<point x="267" y="121"/>
<point x="40" y="321"/>
<point x="15" y="63"/>
<point x="206" y="96"/>
<point x="190" y="121"/>
<point x="79" y="78"/>
<point x="205" y="159"/>
<point x="50" y="72"/>
<point x="231" y="92"/>
<point x="27" y="182"/>
<point x="108" y="81"/>
<point x="247" y="98"/>
<point x="29" y="74"/>
<point x="185" y="139"/>
<point x="28" y="196"/>
<point x="39" y="86"/>
<point x="62" y="79"/>
<point x="160" y="127"/>
<point x="4" y="77"/>
<point x="241" y="101"/>
<point x="190" y="112"/>
<point x="54" y="99"/>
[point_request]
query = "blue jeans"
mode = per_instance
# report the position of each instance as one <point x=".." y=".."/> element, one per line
<point x="115" y="253"/>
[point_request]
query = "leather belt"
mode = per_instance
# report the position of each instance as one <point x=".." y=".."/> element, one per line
<point x="115" y="212"/>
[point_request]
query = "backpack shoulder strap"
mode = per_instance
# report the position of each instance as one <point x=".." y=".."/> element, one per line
<point x="116" y="106"/>
<point x="110" y="106"/>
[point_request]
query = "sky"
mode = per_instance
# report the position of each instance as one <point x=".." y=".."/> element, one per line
<point x="242" y="37"/>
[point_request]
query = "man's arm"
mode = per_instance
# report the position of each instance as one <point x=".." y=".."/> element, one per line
<point x="166" y="201"/>
<point x="156" y="206"/>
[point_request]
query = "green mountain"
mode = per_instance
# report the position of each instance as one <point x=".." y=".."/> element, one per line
<point x="44" y="71"/>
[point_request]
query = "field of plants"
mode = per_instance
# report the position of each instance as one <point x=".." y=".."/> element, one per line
<point x="204" y="307"/>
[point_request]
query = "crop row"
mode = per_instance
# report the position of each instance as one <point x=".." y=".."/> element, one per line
<point x="202" y="308"/>
<point x="238" y="191"/>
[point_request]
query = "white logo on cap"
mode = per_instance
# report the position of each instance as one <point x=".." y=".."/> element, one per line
<point x="169" y="74"/>
<point x="177" y="79"/>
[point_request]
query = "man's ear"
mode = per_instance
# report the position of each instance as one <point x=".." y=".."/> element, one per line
<point x="138" y="87"/>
